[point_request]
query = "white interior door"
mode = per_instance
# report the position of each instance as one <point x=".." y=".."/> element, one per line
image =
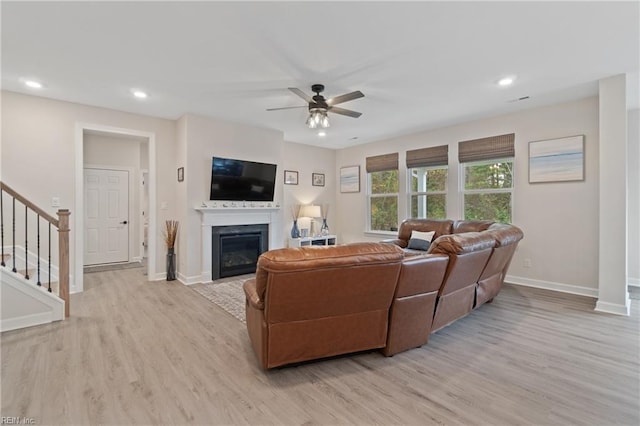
<point x="106" y="216"/>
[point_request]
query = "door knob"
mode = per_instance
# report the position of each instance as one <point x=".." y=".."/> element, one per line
<point x="124" y="222"/>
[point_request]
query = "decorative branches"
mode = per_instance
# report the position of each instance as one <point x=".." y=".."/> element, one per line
<point x="325" y="211"/>
<point x="295" y="211"/>
<point x="170" y="233"/>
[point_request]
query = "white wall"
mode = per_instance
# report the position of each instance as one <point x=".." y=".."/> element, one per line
<point x="38" y="153"/>
<point x="307" y="160"/>
<point x="200" y="138"/>
<point x="559" y="220"/>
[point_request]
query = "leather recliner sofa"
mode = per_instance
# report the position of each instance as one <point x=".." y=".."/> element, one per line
<point x="479" y="255"/>
<point x="314" y="302"/>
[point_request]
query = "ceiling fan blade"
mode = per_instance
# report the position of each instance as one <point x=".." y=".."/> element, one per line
<point x="346" y="112"/>
<point x="345" y="98"/>
<point x="276" y="109"/>
<point x="301" y="94"/>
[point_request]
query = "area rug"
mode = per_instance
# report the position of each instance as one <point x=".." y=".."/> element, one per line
<point x="226" y="293"/>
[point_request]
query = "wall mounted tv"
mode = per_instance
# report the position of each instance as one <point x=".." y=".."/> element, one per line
<point x="239" y="180"/>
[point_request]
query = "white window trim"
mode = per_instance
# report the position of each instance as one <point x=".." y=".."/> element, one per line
<point x="370" y="196"/>
<point x="410" y="194"/>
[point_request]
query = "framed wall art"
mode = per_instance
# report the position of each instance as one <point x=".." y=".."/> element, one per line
<point x="317" y="179"/>
<point x="557" y="160"/>
<point x="350" y="179"/>
<point x="290" y="177"/>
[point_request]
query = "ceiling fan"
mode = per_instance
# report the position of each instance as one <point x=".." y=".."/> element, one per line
<point x="319" y="106"/>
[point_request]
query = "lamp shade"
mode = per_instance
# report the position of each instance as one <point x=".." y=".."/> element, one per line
<point x="310" y="211"/>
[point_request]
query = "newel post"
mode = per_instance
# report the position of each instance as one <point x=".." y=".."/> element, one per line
<point x="63" y="252"/>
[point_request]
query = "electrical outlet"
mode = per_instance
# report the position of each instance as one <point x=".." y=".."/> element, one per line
<point x="527" y="263"/>
<point x="55" y="202"/>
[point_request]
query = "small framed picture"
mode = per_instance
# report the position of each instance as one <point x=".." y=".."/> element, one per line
<point x="180" y="174"/>
<point x="317" y="179"/>
<point x="290" y="177"/>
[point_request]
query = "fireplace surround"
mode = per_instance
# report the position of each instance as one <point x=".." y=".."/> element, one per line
<point x="232" y="214"/>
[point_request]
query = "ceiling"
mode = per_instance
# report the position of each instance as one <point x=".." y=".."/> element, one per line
<point x="421" y="65"/>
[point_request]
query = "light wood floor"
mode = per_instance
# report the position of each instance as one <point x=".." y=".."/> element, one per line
<point x="135" y="352"/>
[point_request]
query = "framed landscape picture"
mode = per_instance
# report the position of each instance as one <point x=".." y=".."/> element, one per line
<point x="290" y="177"/>
<point x="557" y="160"/>
<point x="350" y="179"/>
<point x="317" y="179"/>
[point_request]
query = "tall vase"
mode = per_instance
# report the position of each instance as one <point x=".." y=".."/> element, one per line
<point x="324" y="230"/>
<point x="171" y="265"/>
<point x="295" y="232"/>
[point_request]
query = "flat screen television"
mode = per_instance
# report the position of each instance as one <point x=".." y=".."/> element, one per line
<point x="240" y="180"/>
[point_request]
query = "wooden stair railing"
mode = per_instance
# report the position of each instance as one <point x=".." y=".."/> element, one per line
<point x="62" y="224"/>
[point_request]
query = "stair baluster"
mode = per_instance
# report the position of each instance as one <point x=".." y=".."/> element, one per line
<point x="62" y="226"/>
<point x="38" y="244"/>
<point x="49" y="257"/>
<point x="13" y="240"/>
<point x="26" y="243"/>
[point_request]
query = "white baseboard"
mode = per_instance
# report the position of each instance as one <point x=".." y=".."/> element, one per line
<point x="614" y="308"/>
<point x="549" y="285"/>
<point x="205" y="277"/>
<point x="27" y="321"/>
<point x="196" y="279"/>
<point x="159" y="276"/>
<point x="633" y="282"/>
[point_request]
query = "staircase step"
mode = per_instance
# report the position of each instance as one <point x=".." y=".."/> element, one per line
<point x="33" y="278"/>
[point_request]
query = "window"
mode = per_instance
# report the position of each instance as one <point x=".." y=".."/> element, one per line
<point x="428" y="192"/>
<point x="382" y="192"/>
<point x="488" y="190"/>
<point x="427" y="174"/>
<point x="487" y="177"/>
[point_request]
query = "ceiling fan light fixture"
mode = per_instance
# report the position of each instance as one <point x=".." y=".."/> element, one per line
<point x="324" y="122"/>
<point x="317" y="118"/>
<point x="319" y="107"/>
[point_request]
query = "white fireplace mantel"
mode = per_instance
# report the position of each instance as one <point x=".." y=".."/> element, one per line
<point x="231" y="214"/>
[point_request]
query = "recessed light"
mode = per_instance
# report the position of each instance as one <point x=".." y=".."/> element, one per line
<point x="33" y="84"/>
<point x="506" y="81"/>
<point x="322" y="134"/>
<point x="139" y="94"/>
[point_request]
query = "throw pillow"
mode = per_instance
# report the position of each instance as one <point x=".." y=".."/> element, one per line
<point x="420" y="240"/>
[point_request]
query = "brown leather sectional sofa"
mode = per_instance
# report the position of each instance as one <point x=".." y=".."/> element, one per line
<point x="314" y="302"/>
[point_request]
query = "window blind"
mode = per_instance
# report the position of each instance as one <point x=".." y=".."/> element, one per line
<point x="486" y="148"/>
<point x="381" y="163"/>
<point x="428" y="157"/>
